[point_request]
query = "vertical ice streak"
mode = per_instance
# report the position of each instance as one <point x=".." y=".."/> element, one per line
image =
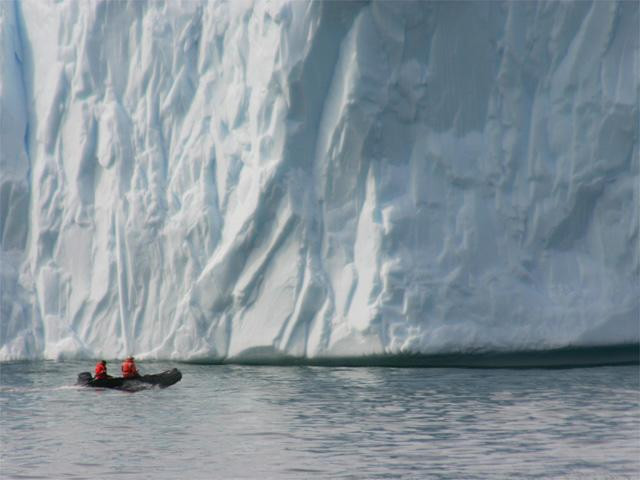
<point x="19" y="325"/>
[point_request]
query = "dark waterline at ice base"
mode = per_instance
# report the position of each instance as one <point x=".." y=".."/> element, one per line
<point x="568" y="357"/>
<point x="231" y="421"/>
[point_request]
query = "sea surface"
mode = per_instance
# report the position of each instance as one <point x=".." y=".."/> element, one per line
<point x="260" y="422"/>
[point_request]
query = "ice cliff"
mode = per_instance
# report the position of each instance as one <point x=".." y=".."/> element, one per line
<point x="217" y="180"/>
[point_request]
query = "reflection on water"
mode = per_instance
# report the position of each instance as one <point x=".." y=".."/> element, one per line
<point x="300" y="422"/>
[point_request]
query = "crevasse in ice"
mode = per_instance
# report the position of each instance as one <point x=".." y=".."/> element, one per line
<point x="210" y="180"/>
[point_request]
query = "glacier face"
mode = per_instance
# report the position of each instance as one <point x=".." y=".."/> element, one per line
<point x="210" y="180"/>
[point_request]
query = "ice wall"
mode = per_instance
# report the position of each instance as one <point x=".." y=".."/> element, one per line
<point x="207" y="180"/>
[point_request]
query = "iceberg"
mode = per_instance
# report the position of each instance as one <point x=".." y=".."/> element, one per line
<point x="219" y="181"/>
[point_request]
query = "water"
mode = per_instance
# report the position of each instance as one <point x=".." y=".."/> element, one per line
<point x="320" y="422"/>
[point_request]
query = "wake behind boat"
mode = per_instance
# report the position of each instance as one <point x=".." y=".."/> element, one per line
<point x="142" y="382"/>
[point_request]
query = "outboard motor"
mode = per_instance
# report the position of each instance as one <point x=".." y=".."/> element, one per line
<point x="84" y="378"/>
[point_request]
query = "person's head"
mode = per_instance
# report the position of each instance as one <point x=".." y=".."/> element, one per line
<point x="103" y="362"/>
<point x="130" y="358"/>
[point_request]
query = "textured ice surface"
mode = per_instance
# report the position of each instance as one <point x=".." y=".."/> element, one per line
<point x="225" y="180"/>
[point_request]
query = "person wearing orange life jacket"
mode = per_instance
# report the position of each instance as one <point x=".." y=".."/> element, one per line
<point x="101" y="370"/>
<point x="129" y="369"/>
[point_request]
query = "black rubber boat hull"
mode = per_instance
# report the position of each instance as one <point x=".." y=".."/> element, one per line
<point x="161" y="380"/>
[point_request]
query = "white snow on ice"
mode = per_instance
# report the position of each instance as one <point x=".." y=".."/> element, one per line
<point x="209" y="180"/>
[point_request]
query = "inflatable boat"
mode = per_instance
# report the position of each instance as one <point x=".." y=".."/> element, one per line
<point x="161" y="380"/>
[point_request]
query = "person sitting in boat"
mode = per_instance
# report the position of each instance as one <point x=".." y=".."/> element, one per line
<point x="101" y="370"/>
<point x="129" y="369"/>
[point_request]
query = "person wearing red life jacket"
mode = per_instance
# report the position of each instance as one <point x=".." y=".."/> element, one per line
<point x="129" y="369"/>
<point x="101" y="370"/>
